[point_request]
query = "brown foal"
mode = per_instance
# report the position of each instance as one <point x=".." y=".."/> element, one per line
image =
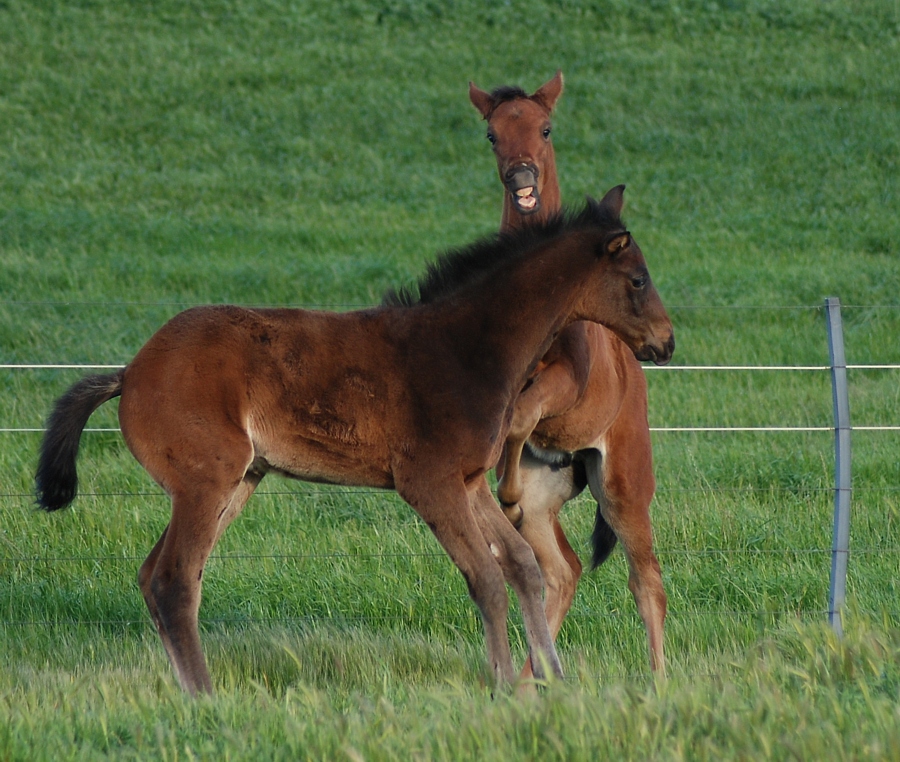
<point x="583" y="415"/>
<point x="415" y="395"/>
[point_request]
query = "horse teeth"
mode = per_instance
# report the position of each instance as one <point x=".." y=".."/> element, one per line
<point x="524" y="192"/>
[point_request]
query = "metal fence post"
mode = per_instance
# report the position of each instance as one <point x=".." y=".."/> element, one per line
<point x="842" y="472"/>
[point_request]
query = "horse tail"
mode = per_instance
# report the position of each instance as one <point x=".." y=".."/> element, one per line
<point x="603" y="538"/>
<point x="56" y="481"/>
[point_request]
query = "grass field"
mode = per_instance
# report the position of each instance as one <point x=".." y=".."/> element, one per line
<point x="164" y="154"/>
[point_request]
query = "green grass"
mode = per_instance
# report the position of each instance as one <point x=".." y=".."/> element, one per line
<point x="164" y="154"/>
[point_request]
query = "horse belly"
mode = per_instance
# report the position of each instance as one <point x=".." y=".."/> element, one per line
<point x="328" y="457"/>
<point x="333" y="431"/>
<point x="567" y="433"/>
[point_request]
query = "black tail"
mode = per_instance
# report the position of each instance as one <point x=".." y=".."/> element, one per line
<point x="56" y="481"/>
<point x="603" y="540"/>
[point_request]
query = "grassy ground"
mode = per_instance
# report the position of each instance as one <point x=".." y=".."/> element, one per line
<point x="167" y="154"/>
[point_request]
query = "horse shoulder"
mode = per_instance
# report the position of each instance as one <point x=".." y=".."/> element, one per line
<point x="598" y="360"/>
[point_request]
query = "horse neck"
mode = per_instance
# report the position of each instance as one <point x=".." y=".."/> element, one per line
<point x="551" y="202"/>
<point x="520" y="320"/>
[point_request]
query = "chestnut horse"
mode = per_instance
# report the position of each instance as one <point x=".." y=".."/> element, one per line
<point x="414" y="395"/>
<point x="583" y="416"/>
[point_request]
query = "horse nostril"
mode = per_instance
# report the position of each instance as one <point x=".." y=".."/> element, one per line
<point x="521" y="176"/>
<point x="668" y="350"/>
<point x="519" y="167"/>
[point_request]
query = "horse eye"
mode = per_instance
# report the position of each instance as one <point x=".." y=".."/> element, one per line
<point x="492" y="138"/>
<point x="640" y="281"/>
<point x="546" y="133"/>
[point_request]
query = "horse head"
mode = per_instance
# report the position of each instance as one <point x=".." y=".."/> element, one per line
<point x="641" y="318"/>
<point x="519" y="131"/>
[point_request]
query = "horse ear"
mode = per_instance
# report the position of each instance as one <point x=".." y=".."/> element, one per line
<point x="617" y="243"/>
<point x="614" y="200"/>
<point x="480" y="100"/>
<point x="549" y="92"/>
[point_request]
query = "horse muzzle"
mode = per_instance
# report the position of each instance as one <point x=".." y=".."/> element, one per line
<point x="521" y="182"/>
<point x="658" y="354"/>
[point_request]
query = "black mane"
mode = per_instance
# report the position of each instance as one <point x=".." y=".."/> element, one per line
<point x="456" y="268"/>
<point x="504" y="94"/>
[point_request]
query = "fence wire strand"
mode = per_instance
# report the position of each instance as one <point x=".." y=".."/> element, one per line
<point x="579" y="613"/>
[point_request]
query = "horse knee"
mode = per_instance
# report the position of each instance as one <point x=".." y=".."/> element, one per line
<point x="561" y="578"/>
<point x="509" y="492"/>
<point x="513" y="513"/>
<point x="488" y="591"/>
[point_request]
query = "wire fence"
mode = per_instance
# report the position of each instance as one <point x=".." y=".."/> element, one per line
<point x="675" y="613"/>
<point x="654" y="368"/>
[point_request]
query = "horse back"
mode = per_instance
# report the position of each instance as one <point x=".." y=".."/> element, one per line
<point x="310" y="391"/>
<point x="345" y="398"/>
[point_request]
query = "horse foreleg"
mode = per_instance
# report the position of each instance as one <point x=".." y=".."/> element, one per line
<point x="552" y="391"/>
<point x="448" y="513"/>
<point x="521" y="570"/>
<point x="623" y="490"/>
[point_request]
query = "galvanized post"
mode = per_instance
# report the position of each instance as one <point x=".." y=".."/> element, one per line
<point x="840" y="548"/>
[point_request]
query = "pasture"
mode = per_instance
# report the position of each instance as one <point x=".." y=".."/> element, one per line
<point x="169" y="154"/>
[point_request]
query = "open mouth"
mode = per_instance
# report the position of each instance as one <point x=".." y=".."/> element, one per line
<point x="523" y="190"/>
<point x="526" y="199"/>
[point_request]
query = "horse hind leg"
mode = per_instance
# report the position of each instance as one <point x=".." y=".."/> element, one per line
<point x="551" y="392"/>
<point x="546" y="489"/>
<point x="171" y="577"/>
<point x="145" y="574"/>
<point x="623" y="490"/>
